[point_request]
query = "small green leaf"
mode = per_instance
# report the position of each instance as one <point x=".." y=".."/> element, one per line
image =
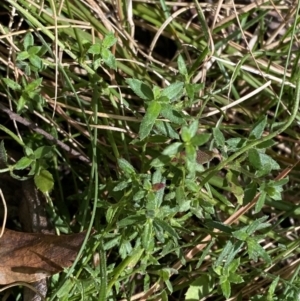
<point x="147" y="235"/>
<point x="200" y="288"/>
<point x="34" y="50"/>
<point x="166" y="129"/>
<point x="226" y="289"/>
<point x="44" y="181"/>
<point x="234" y="278"/>
<point x="148" y="121"/>
<point x="190" y="91"/>
<point x="273" y="286"/>
<point x="185" y="134"/>
<point x="181" y="66"/>
<point x="11" y="84"/>
<point x="174" y="91"/>
<point x="258" y="128"/>
<point x="131" y="220"/>
<point x="126" y="167"/>
<point x="235" y="186"/>
<point x="43" y="152"/>
<point x="200" y="139"/>
<point x="28" y="40"/>
<point x="140" y="89"/>
<point x="166" y="227"/>
<point x="193" y="128"/>
<point x="23" y="163"/>
<point x="134" y="258"/>
<point x="190" y="152"/>
<point x="3" y="154"/>
<point x="24" y="55"/>
<point x="21" y="104"/>
<point x="260" y="202"/>
<point x="233" y="266"/>
<point x="109" y="40"/>
<point x="234" y="144"/>
<point x="173" y="149"/>
<point x="219" y="137"/>
<point x="34" y="85"/>
<point x="36" y="61"/>
<point x="249" y="192"/>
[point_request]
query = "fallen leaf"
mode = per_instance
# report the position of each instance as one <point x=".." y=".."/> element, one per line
<point x="30" y="257"/>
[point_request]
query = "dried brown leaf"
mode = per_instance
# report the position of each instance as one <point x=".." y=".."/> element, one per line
<point x="30" y="257"/>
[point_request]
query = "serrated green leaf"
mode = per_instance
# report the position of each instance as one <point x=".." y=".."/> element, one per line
<point x="11" y="84"/>
<point x="234" y="278"/>
<point x="105" y="53"/>
<point x="148" y="121"/>
<point x="241" y="234"/>
<point x="255" y="250"/>
<point x="109" y="40"/>
<point x="23" y="163"/>
<point x="140" y="89"/>
<point x="174" y="91"/>
<point x="172" y="115"/>
<point x="261" y="161"/>
<point x="95" y="49"/>
<point x="258" y="224"/>
<point x="44" y="181"/>
<point x="110" y="61"/>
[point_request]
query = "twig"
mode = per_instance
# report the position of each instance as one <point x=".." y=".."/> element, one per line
<point x="13" y="116"/>
<point x="5" y="213"/>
